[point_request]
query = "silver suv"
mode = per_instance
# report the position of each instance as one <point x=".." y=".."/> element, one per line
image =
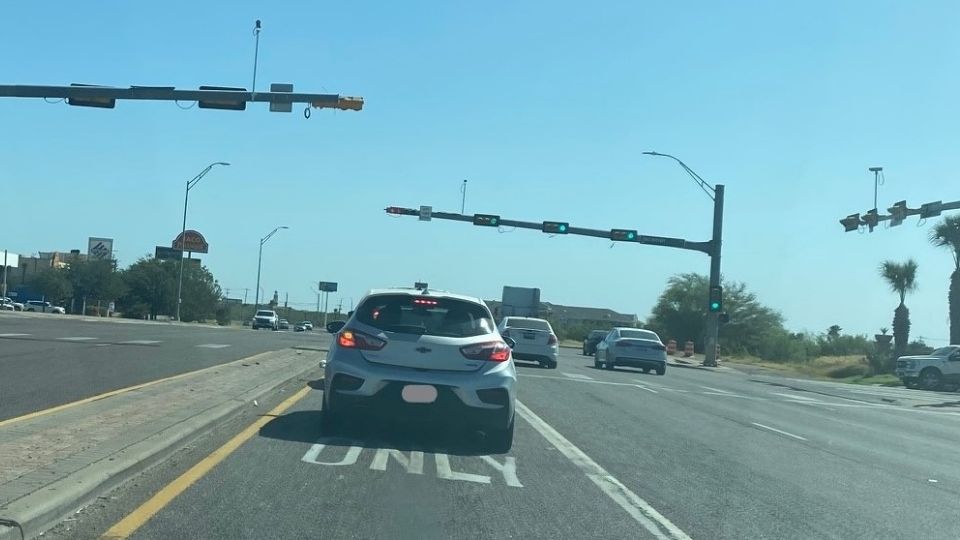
<point x="422" y="355"/>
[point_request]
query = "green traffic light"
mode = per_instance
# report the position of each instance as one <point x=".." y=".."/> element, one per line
<point x="631" y="236"/>
<point x="563" y="228"/>
<point x="715" y="306"/>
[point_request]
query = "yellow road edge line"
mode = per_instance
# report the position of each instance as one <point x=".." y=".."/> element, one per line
<point x="118" y="391"/>
<point x="136" y="519"/>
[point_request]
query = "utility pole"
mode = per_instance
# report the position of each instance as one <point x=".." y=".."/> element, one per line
<point x="5" y="274"/>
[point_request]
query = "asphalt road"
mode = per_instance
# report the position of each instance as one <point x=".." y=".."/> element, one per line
<point x="48" y="360"/>
<point x="598" y="454"/>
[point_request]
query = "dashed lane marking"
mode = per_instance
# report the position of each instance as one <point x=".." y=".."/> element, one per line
<point x="212" y="346"/>
<point x="578" y="376"/>
<point x="140" y="342"/>
<point x="780" y="431"/>
<point x="77" y="338"/>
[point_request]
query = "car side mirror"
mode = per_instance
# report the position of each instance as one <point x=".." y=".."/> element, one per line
<point x="510" y="342"/>
<point x="335" y="326"/>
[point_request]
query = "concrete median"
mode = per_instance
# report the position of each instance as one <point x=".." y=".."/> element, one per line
<point x="55" y="462"/>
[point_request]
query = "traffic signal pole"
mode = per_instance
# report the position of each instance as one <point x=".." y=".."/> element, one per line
<point x="713" y="317"/>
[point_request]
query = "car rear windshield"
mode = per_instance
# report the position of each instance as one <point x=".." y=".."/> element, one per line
<point x="262" y="313"/>
<point x="639" y="334"/>
<point x="528" y="324"/>
<point x="424" y="315"/>
<point x="598" y="334"/>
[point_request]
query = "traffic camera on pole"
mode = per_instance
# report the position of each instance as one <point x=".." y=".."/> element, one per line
<point x="555" y="227"/>
<point x="623" y="235"/>
<point x="716" y="299"/>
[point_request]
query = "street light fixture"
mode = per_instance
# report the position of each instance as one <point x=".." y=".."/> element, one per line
<point x="260" y="262"/>
<point x="715" y="301"/>
<point x="186" y="197"/>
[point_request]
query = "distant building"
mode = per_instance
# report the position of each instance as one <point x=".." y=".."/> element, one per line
<point x="45" y="260"/>
<point x="574" y="315"/>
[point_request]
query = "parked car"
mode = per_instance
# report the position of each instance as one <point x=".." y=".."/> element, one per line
<point x="266" y="318"/>
<point x="45" y="307"/>
<point x="535" y="340"/>
<point x="424" y="356"/>
<point x="284" y="324"/>
<point x="590" y="342"/>
<point x="6" y="306"/>
<point x="632" y="347"/>
<point x="930" y="371"/>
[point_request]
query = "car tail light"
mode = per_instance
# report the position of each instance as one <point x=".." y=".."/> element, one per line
<point x="552" y="340"/>
<point x="351" y="339"/>
<point x="494" y="351"/>
<point x="424" y="302"/>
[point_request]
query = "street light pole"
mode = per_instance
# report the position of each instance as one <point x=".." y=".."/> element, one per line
<point x="186" y="197"/>
<point x="260" y="263"/>
<point x="713" y="318"/>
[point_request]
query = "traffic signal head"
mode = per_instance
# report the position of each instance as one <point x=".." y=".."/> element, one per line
<point x="227" y="105"/>
<point x="555" y="227"/>
<point x="623" y="235"/>
<point x="931" y="209"/>
<point x="898" y="212"/>
<point x="724" y="318"/>
<point x="486" y="220"/>
<point x="871" y="218"/>
<point x="715" y="301"/>
<point x="851" y="222"/>
<point x="398" y="211"/>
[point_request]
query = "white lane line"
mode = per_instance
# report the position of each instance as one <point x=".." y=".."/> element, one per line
<point x="727" y="394"/>
<point x="78" y="338"/>
<point x="212" y="346"/>
<point x="14" y="335"/>
<point x="780" y="431"/>
<point x="640" y="510"/>
<point x="796" y="397"/>
<point x="139" y="342"/>
<point x="577" y="376"/>
<point x="712" y="389"/>
<point x="589" y="381"/>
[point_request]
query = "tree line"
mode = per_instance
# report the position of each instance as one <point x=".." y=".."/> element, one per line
<point x="146" y="289"/>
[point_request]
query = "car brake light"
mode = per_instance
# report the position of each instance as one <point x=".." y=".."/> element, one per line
<point x="494" y="351"/>
<point x="424" y="302"/>
<point x="351" y="339"/>
<point x="552" y="340"/>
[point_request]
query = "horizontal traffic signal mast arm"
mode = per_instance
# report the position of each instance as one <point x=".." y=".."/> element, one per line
<point x="872" y="217"/>
<point x="703" y="247"/>
<point x="169" y="93"/>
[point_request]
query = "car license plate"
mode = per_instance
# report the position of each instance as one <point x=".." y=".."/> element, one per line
<point x="419" y="393"/>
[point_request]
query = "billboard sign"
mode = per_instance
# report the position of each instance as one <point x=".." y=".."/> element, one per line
<point x="100" y="248"/>
<point x="165" y="253"/>
<point x="191" y="241"/>
<point x="328" y="286"/>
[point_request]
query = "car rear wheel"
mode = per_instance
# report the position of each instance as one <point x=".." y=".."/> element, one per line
<point x="661" y="371"/>
<point x="646" y="370"/>
<point x="930" y="379"/>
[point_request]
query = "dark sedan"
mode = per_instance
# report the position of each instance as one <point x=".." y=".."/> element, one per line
<point x="590" y="342"/>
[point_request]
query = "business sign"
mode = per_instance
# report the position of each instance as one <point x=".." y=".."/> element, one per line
<point x="100" y="248"/>
<point x="328" y="286"/>
<point x="165" y="253"/>
<point x="191" y="241"/>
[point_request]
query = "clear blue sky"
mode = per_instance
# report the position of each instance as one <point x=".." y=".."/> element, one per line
<point x="543" y="106"/>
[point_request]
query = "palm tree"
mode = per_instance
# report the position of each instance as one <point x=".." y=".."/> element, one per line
<point x="902" y="279"/>
<point x="947" y="234"/>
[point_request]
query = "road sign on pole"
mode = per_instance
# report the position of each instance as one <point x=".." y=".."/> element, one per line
<point x="426" y="212"/>
<point x="328" y="286"/>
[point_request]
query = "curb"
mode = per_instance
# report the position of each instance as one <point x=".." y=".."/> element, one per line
<point x="44" y="509"/>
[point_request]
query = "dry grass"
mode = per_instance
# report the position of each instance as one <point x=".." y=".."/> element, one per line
<point x="853" y="369"/>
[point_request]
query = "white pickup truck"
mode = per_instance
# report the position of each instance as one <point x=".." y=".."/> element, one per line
<point x="930" y="371"/>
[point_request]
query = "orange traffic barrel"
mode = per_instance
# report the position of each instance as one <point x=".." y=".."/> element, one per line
<point x="688" y="349"/>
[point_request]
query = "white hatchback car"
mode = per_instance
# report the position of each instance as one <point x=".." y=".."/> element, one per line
<point x="535" y="340"/>
<point x="426" y="356"/>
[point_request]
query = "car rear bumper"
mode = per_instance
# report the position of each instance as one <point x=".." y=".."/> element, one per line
<point x="649" y="363"/>
<point x="482" y="398"/>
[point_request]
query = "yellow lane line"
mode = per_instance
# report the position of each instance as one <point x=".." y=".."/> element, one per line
<point x="136" y="519"/>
